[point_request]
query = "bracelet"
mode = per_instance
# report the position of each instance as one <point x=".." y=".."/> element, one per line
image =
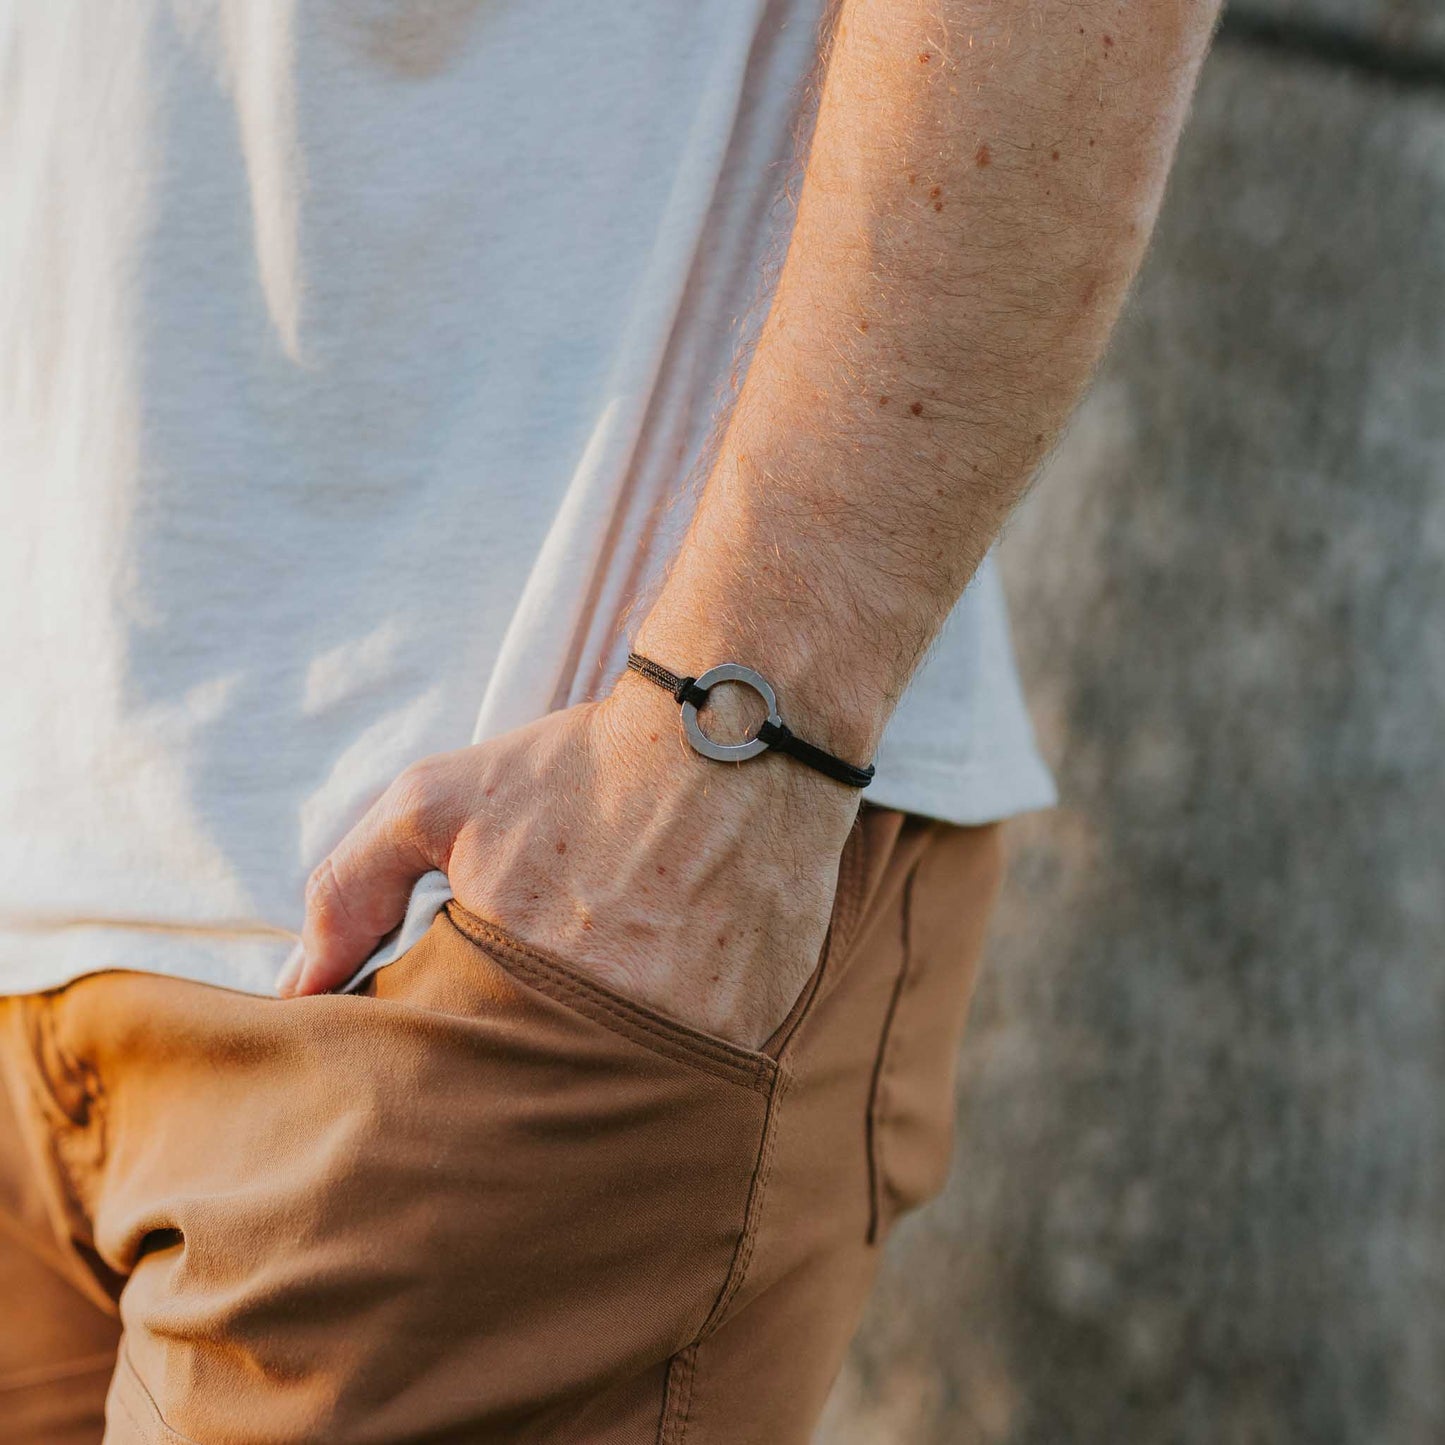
<point x="774" y="733"/>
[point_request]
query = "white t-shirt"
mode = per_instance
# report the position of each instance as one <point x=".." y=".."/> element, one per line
<point x="355" y="360"/>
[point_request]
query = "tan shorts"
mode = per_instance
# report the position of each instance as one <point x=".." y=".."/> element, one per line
<point x="488" y="1200"/>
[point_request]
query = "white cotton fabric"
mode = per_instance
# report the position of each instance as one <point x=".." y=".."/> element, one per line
<point x="355" y="356"/>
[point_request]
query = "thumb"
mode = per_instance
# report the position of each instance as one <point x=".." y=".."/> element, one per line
<point x="359" y="892"/>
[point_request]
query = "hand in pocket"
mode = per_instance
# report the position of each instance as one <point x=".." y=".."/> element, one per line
<point x="700" y="889"/>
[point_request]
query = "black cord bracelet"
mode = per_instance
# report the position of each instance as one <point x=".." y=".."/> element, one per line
<point x="774" y="733"/>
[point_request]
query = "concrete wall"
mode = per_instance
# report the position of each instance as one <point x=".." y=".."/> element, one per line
<point x="1200" y="1186"/>
<point x="1408" y="25"/>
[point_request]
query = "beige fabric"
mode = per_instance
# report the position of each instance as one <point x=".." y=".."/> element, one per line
<point x="488" y="1200"/>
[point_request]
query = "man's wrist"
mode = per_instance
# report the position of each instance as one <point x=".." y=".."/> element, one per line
<point x="644" y="726"/>
<point x="832" y="701"/>
<point x="822" y="606"/>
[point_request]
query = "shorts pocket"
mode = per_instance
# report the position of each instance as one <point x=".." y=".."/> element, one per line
<point x="612" y="1157"/>
<point x="480" y="1199"/>
<point x="584" y="995"/>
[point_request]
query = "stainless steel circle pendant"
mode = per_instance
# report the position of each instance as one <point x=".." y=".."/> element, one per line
<point x="729" y="752"/>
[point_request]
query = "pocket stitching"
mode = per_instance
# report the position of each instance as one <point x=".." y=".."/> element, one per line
<point x="847" y="910"/>
<point x="613" y="1011"/>
<point x="130" y="1384"/>
<point x="877" y="1114"/>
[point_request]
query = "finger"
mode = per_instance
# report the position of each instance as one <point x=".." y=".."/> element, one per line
<point x="359" y="892"/>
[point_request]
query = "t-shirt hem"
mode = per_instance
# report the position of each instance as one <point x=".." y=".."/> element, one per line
<point x="968" y="794"/>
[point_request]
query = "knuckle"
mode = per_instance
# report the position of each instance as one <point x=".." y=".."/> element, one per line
<point x="324" y="901"/>
<point x="321" y="881"/>
<point x="331" y="930"/>
<point x="418" y="802"/>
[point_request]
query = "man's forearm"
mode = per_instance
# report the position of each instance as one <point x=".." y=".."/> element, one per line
<point x="983" y="179"/>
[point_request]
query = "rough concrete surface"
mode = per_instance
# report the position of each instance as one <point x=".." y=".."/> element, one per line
<point x="1199" y="1194"/>
<point x="1408" y="24"/>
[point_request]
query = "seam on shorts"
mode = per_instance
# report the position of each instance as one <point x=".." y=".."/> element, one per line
<point x="836" y="942"/>
<point x="558" y="981"/>
<point x="752" y="1217"/>
<point x="682" y="1368"/>
<point x="852" y="873"/>
<point x="677" y="1397"/>
<point x="878" y="1085"/>
<point x="128" y="1387"/>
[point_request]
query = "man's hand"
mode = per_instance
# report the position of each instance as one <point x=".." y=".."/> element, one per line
<point x="596" y="834"/>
